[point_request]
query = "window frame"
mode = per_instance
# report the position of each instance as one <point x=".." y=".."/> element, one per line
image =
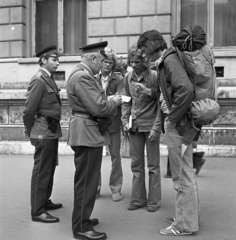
<point x="60" y="28"/>
<point x="176" y="13"/>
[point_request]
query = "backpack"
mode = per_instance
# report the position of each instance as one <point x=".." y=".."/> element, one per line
<point x="198" y="60"/>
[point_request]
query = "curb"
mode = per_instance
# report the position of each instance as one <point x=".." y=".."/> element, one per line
<point x="24" y="147"/>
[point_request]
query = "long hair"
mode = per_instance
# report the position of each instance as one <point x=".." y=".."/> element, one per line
<point x="135" y="51"/>
<point x="153" y="41"/>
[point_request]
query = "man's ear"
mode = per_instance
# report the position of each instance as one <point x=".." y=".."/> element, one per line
<point x="93" y="58"/>
<point x="43" y="60"/>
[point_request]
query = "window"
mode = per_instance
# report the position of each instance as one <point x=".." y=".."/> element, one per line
<point x="216" y="17"/>
<point x="61" y="23"/>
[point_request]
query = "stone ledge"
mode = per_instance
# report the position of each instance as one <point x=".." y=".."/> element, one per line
<point x="21" y="94"/>
<point x="24" y="147"/>
<point x="223" y="92"/>
<point x="12" y="86"/>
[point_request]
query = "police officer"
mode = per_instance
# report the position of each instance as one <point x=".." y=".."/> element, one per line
<point x="41" y="116"/>
<point x="87" y="136"/>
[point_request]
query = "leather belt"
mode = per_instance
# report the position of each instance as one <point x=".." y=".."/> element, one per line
<point x="83" y="115"/>
<point x="39" y="115"/>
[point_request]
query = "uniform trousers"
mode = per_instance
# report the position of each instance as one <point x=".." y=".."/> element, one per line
<point x="87" y="169"/>
<point x="45" y="160"/>
<point x="116" y="176"/>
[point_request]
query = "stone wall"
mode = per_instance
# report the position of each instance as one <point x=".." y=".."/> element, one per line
<point x="12" y="28"/>
<point x="222" y="132"/>
<point x="121" y="22"/>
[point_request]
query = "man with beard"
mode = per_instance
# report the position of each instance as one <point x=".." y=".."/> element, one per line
<point x="178" y="93"/>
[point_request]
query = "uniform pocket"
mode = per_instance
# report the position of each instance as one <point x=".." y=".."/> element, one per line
<point x="93" y="136"/>
<point x="51" y="95"/>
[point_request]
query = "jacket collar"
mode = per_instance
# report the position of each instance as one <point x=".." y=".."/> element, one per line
<point x="43" y="70"/>
<point x="86" y="67"/>
<point x="167" y="53"/>
<point x="145" y="75"/>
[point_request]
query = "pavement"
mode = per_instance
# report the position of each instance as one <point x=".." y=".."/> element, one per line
<point x="216" y="182"/>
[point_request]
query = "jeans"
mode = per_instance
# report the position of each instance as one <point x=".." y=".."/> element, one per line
<point x="138" y="140"/>
<point x="116" y="176"/>
<point x="184" y="180"/>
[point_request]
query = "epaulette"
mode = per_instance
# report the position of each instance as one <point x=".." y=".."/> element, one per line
<point x="38" y="74"/>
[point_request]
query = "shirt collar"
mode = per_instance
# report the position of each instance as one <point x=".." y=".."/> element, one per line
<point x="45" y="70"/>
<point x="103" y="77"/>
<point x="159" y="60"/>
<point x="140" y="77"/>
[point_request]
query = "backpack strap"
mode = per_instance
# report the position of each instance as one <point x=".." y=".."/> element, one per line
<point x="209" y="55"/>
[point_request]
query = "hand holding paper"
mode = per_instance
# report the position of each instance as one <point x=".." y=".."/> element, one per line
<point x="125" y="98"/>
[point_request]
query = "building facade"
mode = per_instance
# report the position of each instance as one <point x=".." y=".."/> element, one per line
<point x="27" y="26"/>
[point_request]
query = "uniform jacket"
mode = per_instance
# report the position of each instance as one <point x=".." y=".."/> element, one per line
<point x="176" y="87"/>
<point x="42" y="98"/>
<point x="145" y="109"/>
<point x="87" y="98"/>
<point x="115" y="84"/>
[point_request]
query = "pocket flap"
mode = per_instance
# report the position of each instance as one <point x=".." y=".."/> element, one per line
<point x="50" y="90"/>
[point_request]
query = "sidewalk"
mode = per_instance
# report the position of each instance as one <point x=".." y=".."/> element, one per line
<point x="216" y="183"/>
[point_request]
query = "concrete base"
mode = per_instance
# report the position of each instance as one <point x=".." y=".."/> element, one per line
<point x="24" y="147"/>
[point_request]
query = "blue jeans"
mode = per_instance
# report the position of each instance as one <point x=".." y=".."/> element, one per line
<point x="187" y="202"/>
<point x="138" y="140"/>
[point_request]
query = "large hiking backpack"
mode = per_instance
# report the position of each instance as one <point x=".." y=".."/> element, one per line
<point x="198" y="60"/>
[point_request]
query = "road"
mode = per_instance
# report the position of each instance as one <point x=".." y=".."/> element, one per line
<point x="216" y="184"/>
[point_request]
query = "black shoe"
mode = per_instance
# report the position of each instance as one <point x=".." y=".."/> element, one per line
<point x="93" y="235"/>
<point x="199" y="166"/>
<point x="167" y="176"/>
<point x="94" y="221"/>
<point x="45" y="218"/>
<point x="52" y="206"/>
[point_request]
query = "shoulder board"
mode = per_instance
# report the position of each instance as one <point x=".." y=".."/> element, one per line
<point x="38" y="74"/>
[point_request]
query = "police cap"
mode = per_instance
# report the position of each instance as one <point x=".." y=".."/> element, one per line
<point x="95" y="47"/>
<point x="47" y="51"/>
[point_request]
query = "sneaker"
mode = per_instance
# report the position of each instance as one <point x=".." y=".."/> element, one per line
<point x="167" y="176"/>
<point x="170" y="220"/>
<point x="116" y="197"/>
<point x="171" y="231"/>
